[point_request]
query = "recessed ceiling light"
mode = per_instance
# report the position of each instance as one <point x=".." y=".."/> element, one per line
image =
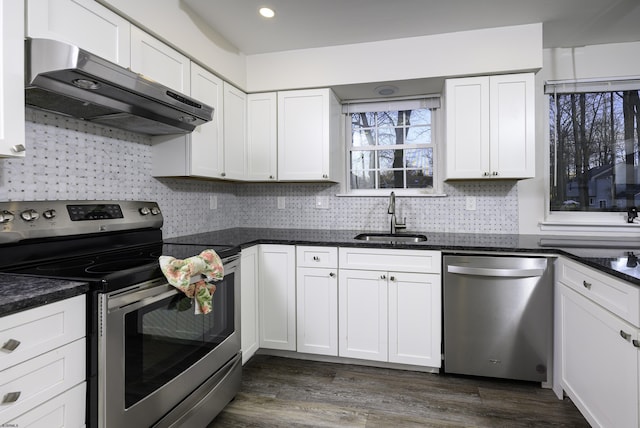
<point x="267" y="12"/>
<point x="386" y="90"/>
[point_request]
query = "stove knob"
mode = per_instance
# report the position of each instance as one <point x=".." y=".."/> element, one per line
<point x="155" y="210"/>
<point x="29" y="215"/>
<point x="6" y="216"/>
<point x="144" y="211"/>
<point x="49" y="214"/>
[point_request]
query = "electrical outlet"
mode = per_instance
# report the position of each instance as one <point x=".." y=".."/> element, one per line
<point x="213" y="202"/>
<point x="470" y="202"/>
<point x="281" y="202"/>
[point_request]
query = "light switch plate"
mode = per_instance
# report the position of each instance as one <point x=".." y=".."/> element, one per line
<point x="322" y="202"/>
<point x="213" y="202"/>
<point x="281" y="202"/>
<point x="470" y="203"/>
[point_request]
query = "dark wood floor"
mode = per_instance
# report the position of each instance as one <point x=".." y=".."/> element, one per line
<point x="282" y="392"/>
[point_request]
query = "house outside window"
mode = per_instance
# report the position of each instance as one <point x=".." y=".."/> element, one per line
<point x="594" y="146"/>
<point x="391" y="146"/>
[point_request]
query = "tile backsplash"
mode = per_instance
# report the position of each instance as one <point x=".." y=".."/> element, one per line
<point x="72" y="159"/>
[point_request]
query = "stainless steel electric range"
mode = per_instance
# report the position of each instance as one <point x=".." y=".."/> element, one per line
<point x="151" y="361"/>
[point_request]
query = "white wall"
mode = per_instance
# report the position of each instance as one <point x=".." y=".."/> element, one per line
<point x="178" y="26"/>
<point x="588" y="62"/>
<point x="495" y="50"/>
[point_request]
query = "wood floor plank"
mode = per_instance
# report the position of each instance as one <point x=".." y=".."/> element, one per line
<point x="283" y="392"/>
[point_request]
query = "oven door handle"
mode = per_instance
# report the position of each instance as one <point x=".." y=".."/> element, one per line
<point x="133" y="301"/>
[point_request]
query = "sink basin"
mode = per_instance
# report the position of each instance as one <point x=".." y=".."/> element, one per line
<point x="391" y="237"/>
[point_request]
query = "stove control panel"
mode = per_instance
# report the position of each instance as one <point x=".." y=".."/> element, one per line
<point x="41" y="219"/>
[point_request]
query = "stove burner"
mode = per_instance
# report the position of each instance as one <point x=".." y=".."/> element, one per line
<point x="118" y="265"/>
<point x="119" y="256"/>
<point x="62" y="266"/>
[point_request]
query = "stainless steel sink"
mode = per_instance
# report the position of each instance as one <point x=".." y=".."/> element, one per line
<point x="391" y="237"/>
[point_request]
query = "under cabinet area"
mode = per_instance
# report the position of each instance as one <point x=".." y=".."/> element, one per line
<point x="597" y="345"/>
<point x="390" y="306"/>
<point x="490" y="127"/>
<point x="42" y="365"/>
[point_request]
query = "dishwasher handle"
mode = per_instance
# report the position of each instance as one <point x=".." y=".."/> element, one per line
<point x="504" y="273"/>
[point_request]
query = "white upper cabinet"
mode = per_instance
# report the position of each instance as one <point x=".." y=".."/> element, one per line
<point x="262" y="137"/>
<point x="235" y="125"/>
<point x="155" y="60"/>
<point x="200" y="153"/>
<point x="490" y="127"/>
<point x="84" y="23"/>
<point x="12" y="135"/>
<point x="309" y="146"/>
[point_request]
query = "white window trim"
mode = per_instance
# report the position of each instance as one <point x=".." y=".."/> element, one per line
<point x="436" y="125"/>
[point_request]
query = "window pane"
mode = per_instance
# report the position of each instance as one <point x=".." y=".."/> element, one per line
<point x="363" y="180"/>
<point x="418" y="158"/>
<point x="419" y="179"/>
<point x="391" y="179"/>
<point x="594" y="151"/>
<point x="418" y="135"/>
<point x="419" y="116"/>
<point x="363" y="120"/>
<point x="362" y="160"/>
<point x="363" y="137"/>
<point x="387" y="119"/>
<point x="387" y="137"/>
<point x="388" y="159"/>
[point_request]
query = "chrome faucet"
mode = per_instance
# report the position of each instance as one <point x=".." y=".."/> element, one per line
<point x="392" y="210"/>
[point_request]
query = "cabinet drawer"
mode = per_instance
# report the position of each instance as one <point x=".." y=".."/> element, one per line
<point x="41" y="378"/>
<point x="621" y="298"/>
<point x="321" y="257"/>
<point x="384" y="260"/>
<point x="41" y="329"/>
<point x="64" y="410"/>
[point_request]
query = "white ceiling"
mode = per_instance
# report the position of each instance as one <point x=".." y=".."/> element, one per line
<point x="300" y="24"/>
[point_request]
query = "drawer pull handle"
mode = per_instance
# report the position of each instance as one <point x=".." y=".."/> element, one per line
<point x="392" y="278"/>
<point x="316" y="258"/>
<point x="625" y="335"/>
<point x="636" y="343"/>
<point x="10" y="345"/>
<point x="586" y="285"/>
<point x="383" y="276"/>
<point x="11" y="397"/>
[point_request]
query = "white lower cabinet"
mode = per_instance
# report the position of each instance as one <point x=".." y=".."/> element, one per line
<point x="42" y="366"/>
<point x="277" y="297"/>
<point x="249" y="322"/>
<point x="317" y="300"/>
<point x="598" y="350"/>
<point x="388" y="314"/>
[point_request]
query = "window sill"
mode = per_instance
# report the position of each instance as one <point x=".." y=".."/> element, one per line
<point x="385" y="194"/>
<point x="590" y="227"/>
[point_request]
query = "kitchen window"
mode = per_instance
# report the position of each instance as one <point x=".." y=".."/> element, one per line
<point x="391" y="146"/>
<point x="594" y="147"/>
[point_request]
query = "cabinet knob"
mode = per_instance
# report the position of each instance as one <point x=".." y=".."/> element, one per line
<point x="325" y="176"/>
<point x="485" y="174"/>
<point x="636" y="343"/>
<point x="223" y="174"/>
<point x="271" y="177"/>
<point x="316" y="258"/>
<point x="392" y="278"/>
<point x="586" y="285"/>
<point x="10" y="345"/>
<point x="383" y="276"/>
<point x="626" y="336"/>
<point x="494" y="173"/>
<point x="332" y="275"/>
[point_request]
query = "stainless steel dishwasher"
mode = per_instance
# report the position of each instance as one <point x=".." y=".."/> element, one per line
<point x="498" y="316"/>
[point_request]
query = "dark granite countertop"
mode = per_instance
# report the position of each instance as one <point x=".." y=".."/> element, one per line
<point x="18" y="292"/>
<point x="612" y="256"/>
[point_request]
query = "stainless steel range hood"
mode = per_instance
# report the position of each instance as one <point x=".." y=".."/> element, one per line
<point x="65" y="79"/>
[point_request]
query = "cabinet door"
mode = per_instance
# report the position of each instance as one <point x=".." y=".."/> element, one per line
<point x="303" y="134"/>
<point x="599" y="367"/>
<point x="262" y="136"/>
<point x="277" y="297"/>
<point x="83" y="23"/>
<point x="512" y="125"/>
<point x="414" y="319"/>
<point x="467" y="127"/>
<point x="155" y="60"/>
<point x="249" y="303"/>
<point x="317" y="311"/>
<point x="235" y="123"/>
<point x="12" y="135"/>
<point x="362" y="314"/>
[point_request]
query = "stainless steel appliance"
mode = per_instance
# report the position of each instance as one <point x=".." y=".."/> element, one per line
<point x="498" y="316"/>
<point x="68" y="80"/>
<point x="150" y="360"/>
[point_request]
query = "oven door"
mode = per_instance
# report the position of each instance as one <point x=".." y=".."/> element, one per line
<point x="154" y="350"/>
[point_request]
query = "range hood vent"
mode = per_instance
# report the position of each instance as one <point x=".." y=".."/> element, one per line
<point x="65" y="79"/>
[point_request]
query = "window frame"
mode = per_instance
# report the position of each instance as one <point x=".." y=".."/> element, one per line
<point x="396" y="105"/>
